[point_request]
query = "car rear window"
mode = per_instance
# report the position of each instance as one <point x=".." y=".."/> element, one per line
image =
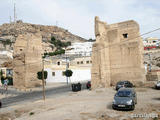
<point x="120" y="83"/>
<point x="123" y="93"/>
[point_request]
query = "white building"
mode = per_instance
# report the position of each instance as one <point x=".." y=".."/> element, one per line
<point x="151" y="42"/>
<point x="81" y="68"/>
<point x="7" y="53"/>
<point x="83" y="49"/>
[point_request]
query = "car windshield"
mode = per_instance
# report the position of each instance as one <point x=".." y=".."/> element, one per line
<point x="123" y="93"/>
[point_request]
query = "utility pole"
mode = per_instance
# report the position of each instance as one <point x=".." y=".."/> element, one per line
<point x="43" y="80"/>
<point x="66" y="68"/>
<point x="150" y="60"/>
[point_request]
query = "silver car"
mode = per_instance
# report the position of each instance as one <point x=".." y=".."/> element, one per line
<point x="125" y="98"/>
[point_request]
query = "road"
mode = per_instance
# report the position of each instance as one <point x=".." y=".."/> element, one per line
<point x="37" y="95"/>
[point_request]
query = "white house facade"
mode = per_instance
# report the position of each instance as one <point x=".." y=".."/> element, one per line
<point x="58" y="76"/>
<point x="81" y="68"/>
<point x="83" y="49"/>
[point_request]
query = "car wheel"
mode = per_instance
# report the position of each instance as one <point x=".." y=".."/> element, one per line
<point x="113" y="107"/>
<point x="133" y="107"/>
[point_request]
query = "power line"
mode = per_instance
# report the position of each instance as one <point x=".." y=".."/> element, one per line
<point x="129" y="39"/>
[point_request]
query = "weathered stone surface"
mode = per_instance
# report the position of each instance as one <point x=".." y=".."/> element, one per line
<point x="117" y="54"/>
<point x="153" y="76"/>
<point x="27" y="60"/>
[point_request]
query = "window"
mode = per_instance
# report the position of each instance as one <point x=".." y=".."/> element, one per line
<point x="3" y="71"/>
<point x="20" y="49"/>
<point x="63" y="73"/>
<point x="90" y="61"/>
<point x="53" y="73"/>
<point x="58" y="63"/>
<point x="81" y="62"/>
<point x="125" y="35"/>
<point x="87" y="62"/>
<point x="77" y="62"/>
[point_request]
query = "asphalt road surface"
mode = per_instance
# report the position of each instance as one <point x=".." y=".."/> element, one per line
<point x="37" y="95"/>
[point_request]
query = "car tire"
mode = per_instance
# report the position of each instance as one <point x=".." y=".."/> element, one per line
<point x="113" y="107"/>
<point x="133" y="107"/>
<point x="0" y="104"/>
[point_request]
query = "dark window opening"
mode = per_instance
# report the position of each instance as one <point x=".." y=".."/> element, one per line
<point x="77" y="62"/>
<point x="125" y="35"/>
<point x="63" y="73"/>
<point x="21" y="49"/>
<point x="87" y="62"/>
<point x="53" y="73"/>
<point x="81" y="62"/>
<point x="58" y="63"/>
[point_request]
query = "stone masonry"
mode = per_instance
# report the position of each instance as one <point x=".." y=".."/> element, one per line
<point x="117" y="54"/>
<point x="27" y="60"/>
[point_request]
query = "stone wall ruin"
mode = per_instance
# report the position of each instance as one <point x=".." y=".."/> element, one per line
<point x="27" y="60"/>
<point x="117" y="54"/>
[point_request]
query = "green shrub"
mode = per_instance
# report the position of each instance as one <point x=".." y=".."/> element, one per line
<point x="59" y="44"/>
<point x="10" y="80"/>
<point x="39" y="75"/>
<point x="31" y="113"/>
<point x="68" y="73"/>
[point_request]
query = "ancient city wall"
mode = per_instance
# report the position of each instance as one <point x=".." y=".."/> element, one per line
<point x="117" y="54"/>
<point x="27" y="60"/>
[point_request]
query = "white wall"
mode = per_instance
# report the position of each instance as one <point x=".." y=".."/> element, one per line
<point x="7" y="53"/>
<point x="80" y="48"/>
<point x="78" y="75"/>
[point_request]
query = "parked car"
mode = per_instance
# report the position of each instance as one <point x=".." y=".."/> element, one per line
<point x="157" y="86"/>
<point x="88" y="85"/>
<point x="125" y="98"/>
<point x="125" y="84"/>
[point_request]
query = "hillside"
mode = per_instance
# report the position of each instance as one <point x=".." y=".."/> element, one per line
<point x="10" y="31"/>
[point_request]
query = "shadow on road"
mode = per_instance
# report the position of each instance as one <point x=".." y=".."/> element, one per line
<point x="36" y="95"/>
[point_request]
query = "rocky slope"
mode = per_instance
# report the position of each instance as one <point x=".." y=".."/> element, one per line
<point x="11" y="31"/>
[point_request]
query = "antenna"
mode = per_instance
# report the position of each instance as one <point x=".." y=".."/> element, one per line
<point x="56" y="23"/>
<point x="14" y="12"/>
<point x="10" y="19"/>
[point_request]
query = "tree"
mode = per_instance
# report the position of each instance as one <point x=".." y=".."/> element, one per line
<point x="66" y="44"/>
<point x="68" y="73"/>
<point x="39" y="75"/>
<point x="53" y="38"/>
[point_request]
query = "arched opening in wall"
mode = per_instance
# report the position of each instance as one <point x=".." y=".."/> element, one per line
<point x="87" y="62"/>
<point x="58" y="63"/>
<point x="20" y="49"/>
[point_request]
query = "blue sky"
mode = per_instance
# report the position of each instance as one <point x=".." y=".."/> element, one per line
<point x="78" y="15"/>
